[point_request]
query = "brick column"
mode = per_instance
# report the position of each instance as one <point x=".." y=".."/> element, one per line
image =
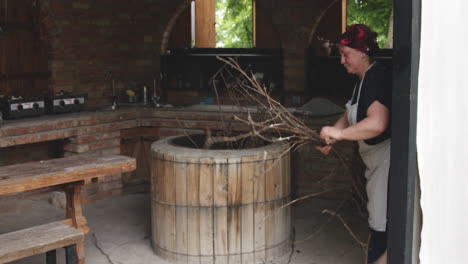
<point x="106" y="142"/>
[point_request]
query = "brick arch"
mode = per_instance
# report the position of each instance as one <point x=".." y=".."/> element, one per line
<point x="318" y="19"/>
<point x="170" y="25"/>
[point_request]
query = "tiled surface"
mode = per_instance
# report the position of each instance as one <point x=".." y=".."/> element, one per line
<point x="120" y="230"/>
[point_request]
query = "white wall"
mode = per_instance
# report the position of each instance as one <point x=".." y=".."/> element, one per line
<point x="442" y="131"/>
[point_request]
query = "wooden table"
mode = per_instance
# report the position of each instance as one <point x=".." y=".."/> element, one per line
<point x="69" y="172"/>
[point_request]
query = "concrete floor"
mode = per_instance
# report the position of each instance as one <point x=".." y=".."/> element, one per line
<point x="120" y="230"/>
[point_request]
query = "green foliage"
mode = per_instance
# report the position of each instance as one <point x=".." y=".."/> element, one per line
<point x="374" y="13"/>
<point x="234" y="24"/>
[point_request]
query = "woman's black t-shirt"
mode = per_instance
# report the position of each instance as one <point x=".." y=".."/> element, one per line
<point x="377" y="85"/>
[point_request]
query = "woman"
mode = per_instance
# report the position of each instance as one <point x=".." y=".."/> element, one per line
<point x="367" y="121"/>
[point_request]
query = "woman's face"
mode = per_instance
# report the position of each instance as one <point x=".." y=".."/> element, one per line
<point x="353" y="60"/>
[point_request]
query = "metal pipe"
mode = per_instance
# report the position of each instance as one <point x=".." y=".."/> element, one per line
<point x="114" y="97"/>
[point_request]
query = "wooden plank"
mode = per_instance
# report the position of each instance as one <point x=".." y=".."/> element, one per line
<point x="247" y="172"/>
<point x="220" y="184"/>
<point x="157" y="225"/>
<point x="159" y="193"/>
<point x="193" y="182"/>
<point x="247" y="209"/>
<point x="193" y="234"/>
<point x="287" y="247"/>
<point x="270" y="235"/>
<point x="180" y="174"/>
<point x="206" y="232"/>
<point x="234" y="235"/>
<point x="278" y="178"/>
<point x="155" y="164"/>
<point x="286" y="181"/>
<point x="34" y="175"/>
<point x="277" y="211"/>
<point x="181" y="179"/>
<point x="169" y="201"/>
<point x="221" y="249"/>
<point x="259" y="210"/>
<point x="260" y="236"/>
<point x="207" y="260"/>
<point x="234" y="182"/>
<point x="206" y="181"/>
<point x="170" y="230"/>
<point x="280" y="227"/>
<point x="169" y="180"/>
<point x="285" y="212"/>
<point x="259" y="171"/>
<point x="247" y="233"/>
<point x="205" y="36"/>
<point x="193" y="211"/>
<point x="234" y="213"/>
<point x="36" y="240"/>
<point x="272" y="169"/>
<point x="206" y="209"/>
<point x="220" y="211"/>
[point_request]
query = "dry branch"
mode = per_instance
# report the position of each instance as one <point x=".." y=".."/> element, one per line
<point x="362" y="244"/>
<point x="272" y="122"/>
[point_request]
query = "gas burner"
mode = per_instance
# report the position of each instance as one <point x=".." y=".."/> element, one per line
<point x="18" y="106"/>
<point x="64" y="102"/>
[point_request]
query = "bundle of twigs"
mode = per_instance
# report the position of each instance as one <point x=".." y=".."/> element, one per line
<point x="272" y="122"/>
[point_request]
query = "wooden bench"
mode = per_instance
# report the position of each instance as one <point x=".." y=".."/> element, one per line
<point x="69" y="172"/>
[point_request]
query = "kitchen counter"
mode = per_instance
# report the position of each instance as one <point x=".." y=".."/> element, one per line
<point x="195" y="118"/>
<point x="61" y="126"/>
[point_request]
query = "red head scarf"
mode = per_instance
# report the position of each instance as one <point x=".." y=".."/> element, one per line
<point x="360" y="37"/>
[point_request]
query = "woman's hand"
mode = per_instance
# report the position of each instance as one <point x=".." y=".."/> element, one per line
<point x="328" y="132"/>
<point x="331" y="134"/>
<point x="325" y="149"/>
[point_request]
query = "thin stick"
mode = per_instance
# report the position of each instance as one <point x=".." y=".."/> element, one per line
<point x="362" y="244"/>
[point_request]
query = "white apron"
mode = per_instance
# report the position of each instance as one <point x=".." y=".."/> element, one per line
<point x="377" y="161"/>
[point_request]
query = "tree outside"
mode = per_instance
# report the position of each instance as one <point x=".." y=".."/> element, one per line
<point x="377" y="14"/>
<point x="234" y="24"/>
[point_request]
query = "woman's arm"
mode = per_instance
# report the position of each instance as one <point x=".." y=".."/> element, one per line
<point x="342" y="122"/>
<point x="378" y="117"/>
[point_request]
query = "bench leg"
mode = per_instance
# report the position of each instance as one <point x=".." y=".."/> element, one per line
<point x="74" y="211"/>
<point x="51" y="257"/>
<point x="80" y="252"/>
<point x="70" y="254"/>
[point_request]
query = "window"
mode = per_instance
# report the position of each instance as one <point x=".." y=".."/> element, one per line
<point x="223" y="23"/>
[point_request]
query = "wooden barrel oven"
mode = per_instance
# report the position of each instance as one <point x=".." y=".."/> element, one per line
<point x="220" y="206"/>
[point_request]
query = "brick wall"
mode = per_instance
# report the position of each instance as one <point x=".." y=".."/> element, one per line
<point x="93" y="42"/>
